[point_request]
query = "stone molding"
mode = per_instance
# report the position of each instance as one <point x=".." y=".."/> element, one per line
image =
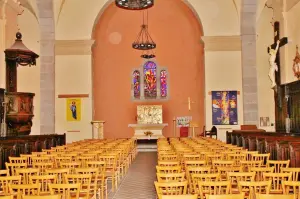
<point x="73" y="47"/>
<point x="222" y="43"/>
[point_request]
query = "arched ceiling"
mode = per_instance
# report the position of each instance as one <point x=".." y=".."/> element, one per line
<point x="60" y="7"/>
<point x="290" y="4"/>
<point x="28" y="5"/>
<point x="237" y="3"/>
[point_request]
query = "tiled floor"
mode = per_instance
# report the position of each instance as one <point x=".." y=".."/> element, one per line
<point x="139" y="181"/>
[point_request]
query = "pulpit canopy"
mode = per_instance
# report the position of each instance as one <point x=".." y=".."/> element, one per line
<point x="19" y="53"/>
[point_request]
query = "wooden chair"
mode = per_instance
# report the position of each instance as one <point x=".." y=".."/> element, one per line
<point x="213" y="188"/>
<point x="180" y="197"/>
<point x="44" y="180"/>
<point x="261" y="157"/>
<point x="170" y="177"/>
<point x="168" y="163"/>
<point x="59" y="173"/>
<point x="228" y="196"/>
<point x="295" y="172"/>
<point x="196" y="177"/>
<point x="170" y="188"/>
<point x="260" y="171"/>
<point x="252" y="188"/>
<point x="277" y="179"/>
<point x="291" y="187"/>
<point x="98" y="181"/>
<point x="166" y="169"/>
<point x="278" y="164"/>
<point x="68" y="191"/>
<point x="235" y="177"/>
<point x="26" y="173"/>
<point x="85" y="183"/>
<point x="274" y="196"/>
<point x="25" y="189"/>
<point x="5" y="181"/>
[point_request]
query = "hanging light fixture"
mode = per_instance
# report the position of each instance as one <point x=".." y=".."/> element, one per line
<point x="144" y="41"/>
<point x="134" y="4"/>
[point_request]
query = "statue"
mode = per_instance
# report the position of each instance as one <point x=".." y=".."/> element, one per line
<point x="273" y="65"/>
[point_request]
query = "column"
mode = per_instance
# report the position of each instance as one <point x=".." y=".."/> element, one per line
<point x="47" y="65"/>
<point x="98" y="129"/>
<point x="249" y="73"/>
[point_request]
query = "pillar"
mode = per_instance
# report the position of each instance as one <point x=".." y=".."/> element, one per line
<point x="249" y="72"/>
<point x="98" y="129"/>
<point x="47" y="65"/>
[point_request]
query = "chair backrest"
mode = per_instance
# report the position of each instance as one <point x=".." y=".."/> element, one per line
<point x="7" y="197"/>
<point x="274" y="196"/>
<point x="227" y="196"/>
<point x="42" y="197"/>
<point x="170" y="188"/>
<point x="170" y="177"/>
<point x="180" y="197"/>
<point x="67" y="190"/>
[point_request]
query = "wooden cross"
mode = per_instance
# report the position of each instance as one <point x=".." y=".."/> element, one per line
<point x="189" y="103"/>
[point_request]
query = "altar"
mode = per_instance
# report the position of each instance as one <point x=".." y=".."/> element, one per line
<point x="149" y="122"/>
<point x="155" y="131"/>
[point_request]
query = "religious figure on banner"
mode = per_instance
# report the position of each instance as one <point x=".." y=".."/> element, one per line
<point x="273" y="65"/>
<point x="73" y="110"/>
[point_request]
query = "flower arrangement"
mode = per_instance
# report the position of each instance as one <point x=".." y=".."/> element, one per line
<point x="148" y="133"/>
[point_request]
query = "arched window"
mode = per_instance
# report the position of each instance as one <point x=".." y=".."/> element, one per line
<point x="136" y="84"/>
<point x="163" y="83"/>
<point x="150" y="82"/>
<point x="150" y="87"/>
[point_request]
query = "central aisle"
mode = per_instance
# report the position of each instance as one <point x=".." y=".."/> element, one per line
<point x="139" y="181"/>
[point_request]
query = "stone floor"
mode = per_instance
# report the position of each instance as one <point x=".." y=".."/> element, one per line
<point x="139" y="181"/>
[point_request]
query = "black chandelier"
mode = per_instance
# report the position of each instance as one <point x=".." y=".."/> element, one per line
<point x="135" y="4"/>
<point x="144" y="41"/>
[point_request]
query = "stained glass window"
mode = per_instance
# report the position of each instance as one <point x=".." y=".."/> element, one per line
<point x="163" y="83"/>
<point x="150" y="89"/>
<point x="136" y="84"/>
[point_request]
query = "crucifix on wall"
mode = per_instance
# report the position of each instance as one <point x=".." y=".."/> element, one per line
<point x="274" y="59"/>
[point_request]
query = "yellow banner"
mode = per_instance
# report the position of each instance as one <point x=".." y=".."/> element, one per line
<point x="73" y="109"/>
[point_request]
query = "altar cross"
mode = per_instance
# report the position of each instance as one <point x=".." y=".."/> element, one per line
<point x="189" y="102"/>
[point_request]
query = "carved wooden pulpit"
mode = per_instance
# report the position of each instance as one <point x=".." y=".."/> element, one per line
<point x="19" y="104"/>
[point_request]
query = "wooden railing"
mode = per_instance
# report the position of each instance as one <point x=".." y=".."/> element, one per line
<point x="14" y="146"/>
<point x="281" y="146"/>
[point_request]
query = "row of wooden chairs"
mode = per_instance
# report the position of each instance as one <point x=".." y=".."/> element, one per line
<point x="88" y="164"/>
<point x="204" y="160"/>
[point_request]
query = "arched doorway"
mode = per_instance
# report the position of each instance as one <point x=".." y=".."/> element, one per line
<point x="177" y="32"/>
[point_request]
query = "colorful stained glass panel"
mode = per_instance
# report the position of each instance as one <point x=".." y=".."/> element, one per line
<point x="163" y="83"/>
<point x="136" y="84"/>
<point x="150" y="89"/>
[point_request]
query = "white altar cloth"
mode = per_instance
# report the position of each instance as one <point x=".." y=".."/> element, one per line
<point x="140" y="129"/>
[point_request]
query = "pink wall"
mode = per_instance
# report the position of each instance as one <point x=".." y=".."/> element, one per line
<point x="177" y="33"/>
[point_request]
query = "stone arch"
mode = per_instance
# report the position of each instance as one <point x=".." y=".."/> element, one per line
<point x="109" y="2"/>
<point x="113" y="40"/>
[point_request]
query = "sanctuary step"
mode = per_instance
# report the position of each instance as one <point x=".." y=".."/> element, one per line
<point x="146" y="145"/>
